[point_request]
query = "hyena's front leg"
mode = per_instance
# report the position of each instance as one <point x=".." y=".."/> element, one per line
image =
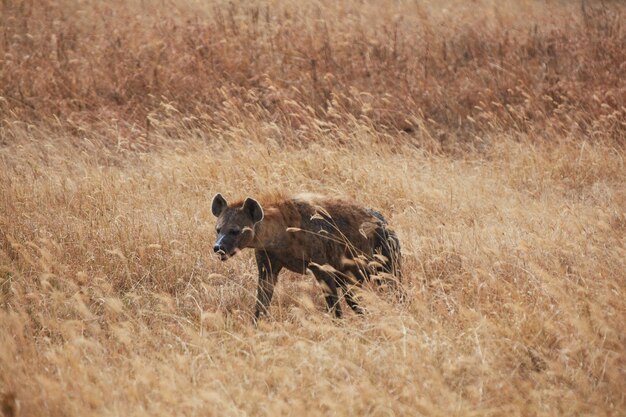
<point x="268" y="275"/>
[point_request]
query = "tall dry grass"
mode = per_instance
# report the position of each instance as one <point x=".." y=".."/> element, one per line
<point x="451" y="66"/>
<point x="490" y="134"/>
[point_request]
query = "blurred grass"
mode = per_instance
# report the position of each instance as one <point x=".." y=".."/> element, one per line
<point x="450" y="67"/>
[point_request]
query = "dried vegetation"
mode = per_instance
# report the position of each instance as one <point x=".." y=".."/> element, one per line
<point x="491" y="133"/>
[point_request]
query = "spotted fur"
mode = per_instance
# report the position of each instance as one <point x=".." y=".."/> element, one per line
<point x="340" y="242"/>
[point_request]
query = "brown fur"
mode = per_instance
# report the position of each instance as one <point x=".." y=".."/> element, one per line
<point x="337" y="240"/>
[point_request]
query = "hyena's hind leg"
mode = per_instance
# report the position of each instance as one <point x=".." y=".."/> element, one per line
<point x="353" y="274"/>
<point x="328" y="282"/>
<point x="348" y="291"/>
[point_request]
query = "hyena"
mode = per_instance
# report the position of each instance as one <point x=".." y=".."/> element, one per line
<point x="338" y="241"/>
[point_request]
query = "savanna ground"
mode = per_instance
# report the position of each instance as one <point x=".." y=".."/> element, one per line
<point x="491" y="134"/>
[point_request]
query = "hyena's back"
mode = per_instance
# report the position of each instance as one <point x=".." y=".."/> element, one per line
<point x="330" y="231"/>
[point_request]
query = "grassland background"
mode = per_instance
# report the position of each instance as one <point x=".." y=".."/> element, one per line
<point x="491" y="134"/>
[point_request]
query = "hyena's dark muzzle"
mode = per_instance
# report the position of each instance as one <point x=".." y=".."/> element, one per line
<point x="228" y="244"/>
<point x="225" y="246"/>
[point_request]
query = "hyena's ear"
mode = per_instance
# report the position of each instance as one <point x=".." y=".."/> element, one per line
<point x="253" y="209"/>
<point x="218" y="205"/>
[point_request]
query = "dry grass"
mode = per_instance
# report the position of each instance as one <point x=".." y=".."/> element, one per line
<point x="491" y="134"/>
<point x="471" y="66"/>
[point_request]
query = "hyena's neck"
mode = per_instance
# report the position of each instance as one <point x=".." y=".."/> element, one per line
<point x="267" y="235"/>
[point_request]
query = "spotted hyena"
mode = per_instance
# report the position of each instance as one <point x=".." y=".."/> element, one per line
<point x="340" y="242"/>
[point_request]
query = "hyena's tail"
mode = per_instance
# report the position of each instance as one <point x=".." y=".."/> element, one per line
<point x="387" y="244"/>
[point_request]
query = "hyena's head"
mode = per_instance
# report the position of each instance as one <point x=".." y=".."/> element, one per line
<point x="235" y="225"/>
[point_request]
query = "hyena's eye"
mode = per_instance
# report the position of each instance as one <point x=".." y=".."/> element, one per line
<point x="234" y="232"/>
<point x="218" y="230"/>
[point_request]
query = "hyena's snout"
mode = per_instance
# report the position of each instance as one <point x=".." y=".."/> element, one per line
<point x="219" y="251"/>
<point x="224" y="249"/>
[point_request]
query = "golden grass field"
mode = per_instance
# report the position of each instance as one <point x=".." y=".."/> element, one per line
<point x="490" y="133"/>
